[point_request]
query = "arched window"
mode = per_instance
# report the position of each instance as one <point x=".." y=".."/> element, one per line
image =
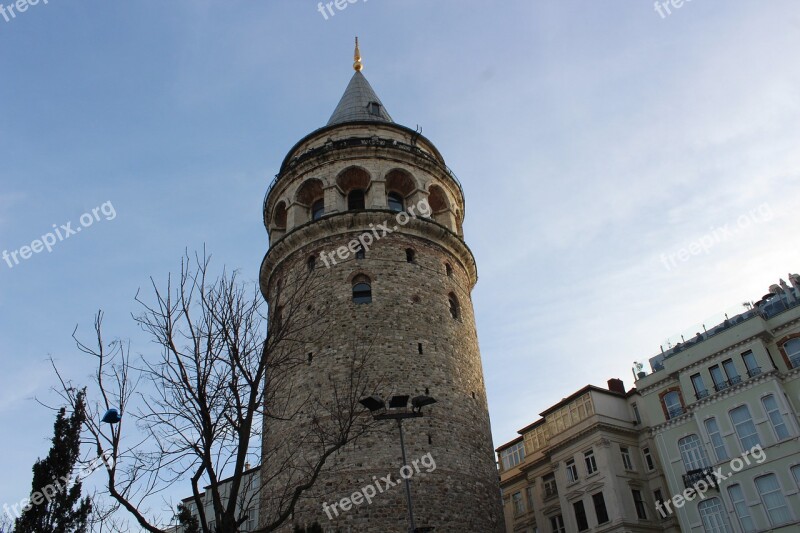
<point x="362" y="290"/>
<point x="396" y="202"/>
<point x="410" y="254"/>
<point x="317" y="209"/>
<point x="693" y="453"/>
<point x="279" y="219"/>
<point x="714" y="516"/>
<point x="455" y="309"/>
<point x="360" y="253"/>
<point x="355" y="200"/>
<point x="448" y="269"/>
<point x="311" y="263"/>
<point x="792" y="349"/>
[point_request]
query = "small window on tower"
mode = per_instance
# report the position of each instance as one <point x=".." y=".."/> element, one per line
<point x="360" y="253"/>
<point x="362" y="290"/>
<point x="410" y="255"/>
<point x="374" y="109"/>
<point x="455" y="310"/>
<point x="448" y="269"/>
<point x="311" y="263"/>
<point x="317" y="209"/>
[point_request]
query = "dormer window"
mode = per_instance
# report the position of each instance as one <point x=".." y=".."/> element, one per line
<point x="374" y="108"/>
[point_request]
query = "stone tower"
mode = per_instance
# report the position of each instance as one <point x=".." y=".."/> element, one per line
<point x="405" y="298"/>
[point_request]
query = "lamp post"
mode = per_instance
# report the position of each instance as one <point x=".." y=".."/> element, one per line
<point x="398" y="410"/>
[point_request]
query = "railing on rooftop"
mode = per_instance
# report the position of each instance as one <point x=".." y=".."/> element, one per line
<point x="767" y="310"/>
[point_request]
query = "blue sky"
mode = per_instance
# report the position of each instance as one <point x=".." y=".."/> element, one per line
<point x="593" y="141"/>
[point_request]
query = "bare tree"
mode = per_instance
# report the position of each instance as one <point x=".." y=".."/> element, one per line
<point x="196" y="410"/>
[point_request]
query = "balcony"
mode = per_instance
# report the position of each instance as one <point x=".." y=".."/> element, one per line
<point x="701" y="394"/>
<point x="753" y="372"/>
<point x="550" y="492"/>
<point x="734" y="380"/>
<point x="795" y="360"/>
<point x="693" y="477"/>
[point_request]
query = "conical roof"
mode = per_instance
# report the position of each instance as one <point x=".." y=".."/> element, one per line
<point x="359" y="103"/>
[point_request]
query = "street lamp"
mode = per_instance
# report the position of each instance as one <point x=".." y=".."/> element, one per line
<point x="398" y="410"/>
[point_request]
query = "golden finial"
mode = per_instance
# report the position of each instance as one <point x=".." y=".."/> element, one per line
<point x="357" y="66"/>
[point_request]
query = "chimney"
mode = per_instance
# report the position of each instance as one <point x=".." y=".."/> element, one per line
<point x="616" y="385"/>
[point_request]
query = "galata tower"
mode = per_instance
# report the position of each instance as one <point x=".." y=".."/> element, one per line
<point x="365" y="212"/>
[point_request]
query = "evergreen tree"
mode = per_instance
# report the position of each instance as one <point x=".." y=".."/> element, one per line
<point x="187" y="520"/>
<point x="54" y="496"/>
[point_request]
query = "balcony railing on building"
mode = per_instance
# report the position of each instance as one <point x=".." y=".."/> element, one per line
<point x="675" y="411"/>
<point x="753" y="372"/>
<point x="701" y="394"/>
<point x="693" y="477"/>
<point x="795" y="360"/>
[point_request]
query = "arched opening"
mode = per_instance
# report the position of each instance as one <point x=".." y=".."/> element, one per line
<point x="317" y="209"/>
<point x="356" y="200"/>
<point x="360" y="253"/>
<point x="312" y="195"/>
<point x="396" y="202"/>
<point x="410" y="255"/>
<point x="362" y="290"/>
<point x="279" y="216"/>
<point x="455" y="308"/>
<point x="448" y="270"/>
<point x="311" y="263"/>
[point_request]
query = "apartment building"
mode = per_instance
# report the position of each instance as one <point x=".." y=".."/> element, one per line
<point x="727" y="400"/>
<point x="585" y="465"/>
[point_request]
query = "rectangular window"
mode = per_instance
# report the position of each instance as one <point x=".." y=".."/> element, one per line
<point x="731" y="372"/>
<point x="572" y="471"/>
<point x="627" y="463"/>
<point x="659" y="499"/>
<point x="636" y="415"/>
<point x="557" y="524"/>
<point x="751" y="364"/>
<point x="516" y="501"/>
<point x="773" y="500"/>
<point x="700" y="391"/>
<point x="745" y="429"/>
<point x="600" y="508"/>
<point x="580" y="516"/>
<point x="529" y="498"/>
<point x="638" y="502"/>
<point x="775" y="417"/>
<point x="550" y="487"/>
<point x="591" y="464"/>
<point x="718" y="378"/>
<point x="796" y="474"/>
<point x="741" y="508"/>
<point x="716" y="439"/>
<point x="648" y="459"/>
<point x="513" y="456"/>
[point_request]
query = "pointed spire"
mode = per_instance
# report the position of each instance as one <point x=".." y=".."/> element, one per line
<point x="359" y="102"/>
<point x="357" y="66"/>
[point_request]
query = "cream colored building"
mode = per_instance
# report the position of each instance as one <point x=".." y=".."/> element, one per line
<point x="727" y="400"/>
<point x="585" y="465"/>
<point x="248" y="504"/>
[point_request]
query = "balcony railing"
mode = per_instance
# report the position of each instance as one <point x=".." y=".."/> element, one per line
<point x="550" y="492"/>
<point x="675" y="411"/>
<point x="693" y="477"/>
<point x="722" y="385"/>
<point x="753" y="372"/>
<point x="701" y="394"/>
<point x="734" y="380"/>
<point x="795" y="360"/>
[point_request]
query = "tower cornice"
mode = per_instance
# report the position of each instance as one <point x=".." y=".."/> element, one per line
<point x="347" y="223"/>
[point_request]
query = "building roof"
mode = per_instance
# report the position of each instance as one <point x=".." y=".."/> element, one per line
<point x="357" y="102"/>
